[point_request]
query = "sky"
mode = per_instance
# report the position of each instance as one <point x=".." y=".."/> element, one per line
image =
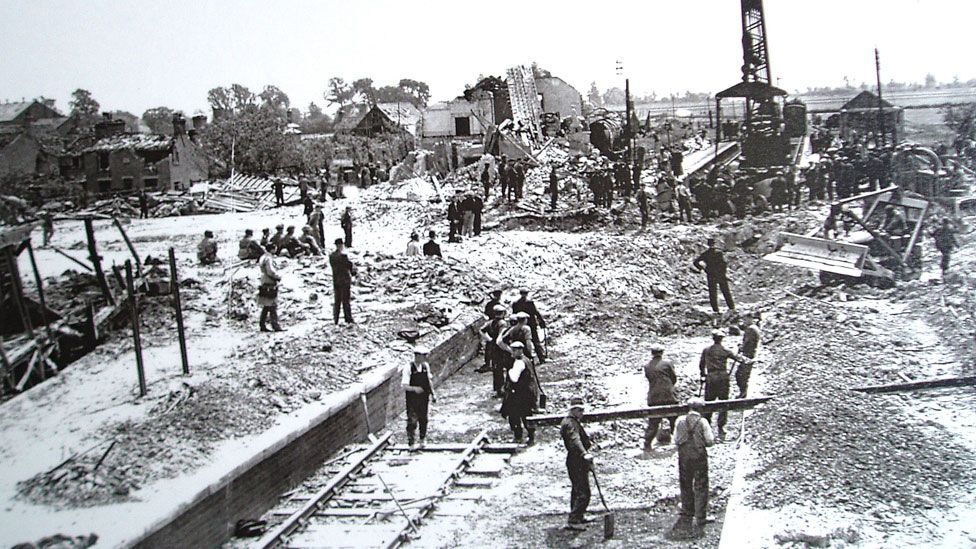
<point x="137" y="54"/>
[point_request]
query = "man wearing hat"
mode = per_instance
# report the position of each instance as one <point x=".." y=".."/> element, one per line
<point x="416" y="382"/>
<point x="692" y="436"/>
<point x="494" y="298"/>
<point x="521" y="332"/>
<point x="521" y="391"/>
<point x="525" y="305"/>
<point x="748" y="348"/>
<point x="494" y="362"/>
<point x="660" y="392"/>
<point x="578" y="462"/>
<point x="342" y="272"/>
<point x="712" y="261"/>
<point x="715" y="374"/>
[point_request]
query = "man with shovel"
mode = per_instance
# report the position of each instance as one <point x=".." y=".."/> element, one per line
<point x="693" y="435"/>
<point x="578" y="463"/>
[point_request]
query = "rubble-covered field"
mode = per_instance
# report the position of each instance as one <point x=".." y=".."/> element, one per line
<point x="609" y="290"/>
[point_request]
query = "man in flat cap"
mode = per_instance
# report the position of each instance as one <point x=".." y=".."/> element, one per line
<point x="578" y="462"/>
<point x="415" y="381"/>
<point x="713" y="367"/>
<point x="521" y="391"/>
<point x="535" y="321"/>
<point x="660" y="392"/>
<point x="692" y="436"/>
<point x="712" y="261"/>
<point x="494" y="359"/>
<point x="521" y="332"/>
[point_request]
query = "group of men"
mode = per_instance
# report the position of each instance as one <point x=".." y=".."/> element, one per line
<point x="464" y="215"/>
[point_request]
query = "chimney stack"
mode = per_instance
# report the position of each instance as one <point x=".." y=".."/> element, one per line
<point x="179" y="125"/>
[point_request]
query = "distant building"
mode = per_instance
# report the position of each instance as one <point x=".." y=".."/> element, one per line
<point x="458" y="118"/>
<point x="347" y="117"/>
<point x="126" y="162"/>
<point x="27" y="153"/>
<point x="389" y="118"/>
<point x="559" y="97"/>
<point x="860" y="115"/>
<point x="25" y="113"/>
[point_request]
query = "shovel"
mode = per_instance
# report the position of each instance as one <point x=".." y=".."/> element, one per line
<point x="608" y="520"/>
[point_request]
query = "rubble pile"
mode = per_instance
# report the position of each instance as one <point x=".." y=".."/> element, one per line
<point x="821" y="440"/>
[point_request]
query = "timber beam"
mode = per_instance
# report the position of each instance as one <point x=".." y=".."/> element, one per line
<point x="672" y="410"/>
<point x="916" y="385"/>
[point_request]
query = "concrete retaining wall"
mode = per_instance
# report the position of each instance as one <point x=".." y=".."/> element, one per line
<point x="252" y="489"/>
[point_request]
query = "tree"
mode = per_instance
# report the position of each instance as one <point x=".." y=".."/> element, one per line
<point x="236" y="98"/>
<point x="363" y="88"/>
<point x="594" y="97"/>
<point x="419" y="91"/>
<point x="273" y="97"/>
<point x="316" y="121"/>
<point x="84" y="106"/>
<point x="339" y="93"/>
<point x="614" y="96"/>
<point x="930" y="81"/>
<point x="961" y="120"/>
<point x="159" y="120"/>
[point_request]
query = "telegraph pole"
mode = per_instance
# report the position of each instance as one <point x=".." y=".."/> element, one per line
<point x="881" y="113"/>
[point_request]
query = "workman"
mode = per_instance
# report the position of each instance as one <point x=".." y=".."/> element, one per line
<point x="268" y="292"/>
<point x="521" y="332"/>
<point x="309" y="242"/>
<point x="692" y="436"/>
<point x="713" y="262"/>
<point x="642" y="205"/>
<point x="521" y="391"/>
<point x="661" y="378"/>
<point x="494" y="360"/>
<point x="289" y="246"/>
<point x="207" y="249"/>
<point x="715" y="375"/>
<point x="945" y="242"/>
<point x="47" y="226"/>
<point x="416" y="383"/>
<point x="346" y="223"/>
<point x="279" y="192"/>
<point x="248" y="248"/>
<point x="494" y="298"/>
<point x="274" y="244"/>
<point x="431" y="247"/>
<point x="578" y="463"/>
<point x="553" y="188"/>
<point x="413" y="246"/>
<point x="748" y="349"/>
<point x="525" y="305"/>
<point x="342" y="272"/>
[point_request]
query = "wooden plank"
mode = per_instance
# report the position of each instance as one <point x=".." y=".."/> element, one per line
<point x="653" y="411"/>
<point x="134" y="317"/>
<point x="84" y="265"/>
<point x="96" y="261"/>
<point x="962" y="381"/>
<point x="40" y="290"/>
<point x="128" y="243"/>
<point x="174" y="282"/>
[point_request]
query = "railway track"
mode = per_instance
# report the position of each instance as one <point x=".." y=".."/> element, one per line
<point x="377" y="495"/>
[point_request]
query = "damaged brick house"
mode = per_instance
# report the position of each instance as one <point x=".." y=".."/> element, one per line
<point x="31" y="138"/>
<point x="125" y="162"/>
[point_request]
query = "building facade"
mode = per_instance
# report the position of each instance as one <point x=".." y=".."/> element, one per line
<point x="458" y="118"/>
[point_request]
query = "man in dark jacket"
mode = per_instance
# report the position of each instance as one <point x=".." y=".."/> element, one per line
<point x="415" y="381"/>
<point x="660" y="392"/>
<point x="525" y="305"/>
<point x="578" y="463"/>
<point x="712" y="261"/>
<point x="714" y="371"/>
<point x="493" y="359"/>
<point x="521" y="391"/>
<point x="346" y="224"/>
<point x="342" y="272"/>
<point x="431" y="247"/>
<point x="945" y="242"/>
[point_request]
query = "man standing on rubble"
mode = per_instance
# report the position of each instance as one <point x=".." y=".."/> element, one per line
<point x="524" y="305"/>
<point x="143" y="205"/>
<point x="268" y="292"/>
<point x="521" y="391"/>
<point x="415" y="381"/>
<point x="692" y="436"/>
<point x="279" y="192"/>
<point x="346" y="223"/>
<point x="749" y="346"/>
<point x="316" y="221"/>
<point x="715" y="374"/>
<point x="578" y="463"/>
<point x="945" y="242"/>
<point x="505" y="177"/>
<point x="661" y="378"/>
<point x="713" y="262"/>
<point x="642" y="205"/>
<point x="342" y="272"/>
